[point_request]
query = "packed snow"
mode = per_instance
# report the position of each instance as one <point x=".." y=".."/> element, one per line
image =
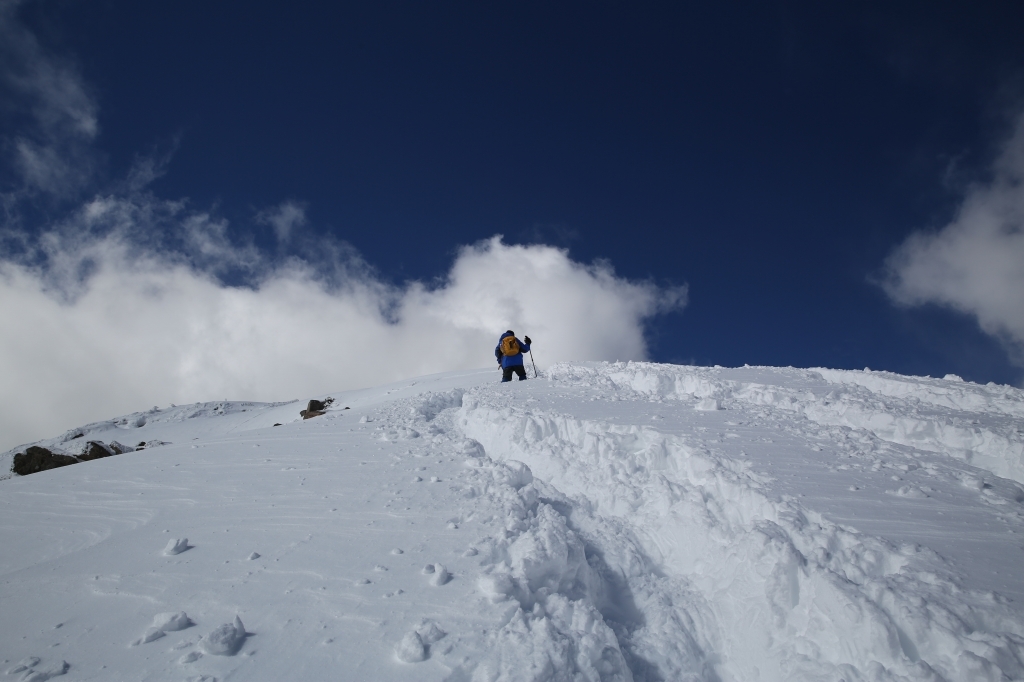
<point x="607" y="521"/>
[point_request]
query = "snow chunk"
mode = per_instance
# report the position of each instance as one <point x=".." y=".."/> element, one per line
<point x="401" y="433"/>
<point x="548" y="556"/>
<point x="162" y="624"/>
<point x="226" y="639"/>
<point x="514" y="473"/>
<point x="708" y="405"/>
<point x="430" y="404"/>
<point x="411" y="649"/>
<point x="496" y="586"/>
<point x="152" y="634"/>
<point x="913" y="492"/>
<point x="176" y="546"/>
<point x="171" y="622"/>
<point x="430" y="633"/>
<point x="438" y="574"/>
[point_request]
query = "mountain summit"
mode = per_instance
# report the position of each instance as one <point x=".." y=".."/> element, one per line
<point x="608" y="521"/>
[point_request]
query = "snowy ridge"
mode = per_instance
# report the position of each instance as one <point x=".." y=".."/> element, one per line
<point x="625" y="521"/>
<point x="952" y="391"/>
<point x="240" y="416"/>
<point x="948" y="416"/>
<point x="786" y="581"/>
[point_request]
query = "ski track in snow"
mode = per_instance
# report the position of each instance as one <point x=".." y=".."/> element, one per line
<point x="624" y="521"/>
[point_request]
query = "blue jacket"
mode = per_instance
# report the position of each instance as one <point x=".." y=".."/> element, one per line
<point x="507" y="361"/>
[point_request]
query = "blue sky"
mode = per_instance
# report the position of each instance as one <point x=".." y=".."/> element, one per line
<point x="762" y="163"/>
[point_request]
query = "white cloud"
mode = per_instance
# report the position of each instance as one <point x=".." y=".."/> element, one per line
<point x="53" y="153"/>
<point x="975" y="264"/>
<point x="116" y="321"/>
<point x="283" y="218"/>
<point x="132" y="300"/>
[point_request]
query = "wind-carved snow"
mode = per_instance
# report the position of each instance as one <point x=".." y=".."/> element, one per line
<point x="625" y="521"/>
<point x="226" y="639"/>
<point x="980" y="424"/>
<point x="789" y="594"/>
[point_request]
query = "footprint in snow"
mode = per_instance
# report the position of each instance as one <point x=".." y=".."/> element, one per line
<point x="23" y="665"/>
<point x="908" y="491"/>
<point x="34" y="672"/>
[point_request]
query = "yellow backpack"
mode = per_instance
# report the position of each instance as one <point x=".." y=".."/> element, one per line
<point x="509" y="346"/>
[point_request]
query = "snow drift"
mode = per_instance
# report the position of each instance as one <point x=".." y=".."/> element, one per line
<point x="623" y="521"/>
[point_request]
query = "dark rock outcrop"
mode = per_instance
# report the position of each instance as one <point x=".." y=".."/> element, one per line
<point x="315" y="408"/>
<point x="36" y="459"/>
<point x="94" y="449"/>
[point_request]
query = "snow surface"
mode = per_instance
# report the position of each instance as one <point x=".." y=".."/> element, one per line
<point x="625" y="521"/>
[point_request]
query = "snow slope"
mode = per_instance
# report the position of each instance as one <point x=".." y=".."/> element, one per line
<point x="625" y="521"/>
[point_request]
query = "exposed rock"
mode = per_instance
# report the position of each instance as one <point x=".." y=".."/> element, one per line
<point x="36" y="459"/>
<point x="94" y="449"/>
<point x="315" y="408"/>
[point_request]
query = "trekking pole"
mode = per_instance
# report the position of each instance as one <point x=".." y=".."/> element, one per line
<point x="534" y="364"/>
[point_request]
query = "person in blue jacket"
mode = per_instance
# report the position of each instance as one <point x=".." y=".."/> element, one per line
<point x="510" y="355"/>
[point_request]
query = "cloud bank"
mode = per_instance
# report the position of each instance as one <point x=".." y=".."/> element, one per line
<point x="975" y="264"/>
<point x="132" y="300"/>
<point x="127" y="304"/>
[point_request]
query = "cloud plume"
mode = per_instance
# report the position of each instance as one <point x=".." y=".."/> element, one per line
<point x="283" y="218"/>
<point x="128" y="304"/>
<point x="975" y="264"/>
<point x="52" y="110"/>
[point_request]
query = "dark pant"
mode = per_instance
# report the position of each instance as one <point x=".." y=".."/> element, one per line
<point x="506" y="374"/>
